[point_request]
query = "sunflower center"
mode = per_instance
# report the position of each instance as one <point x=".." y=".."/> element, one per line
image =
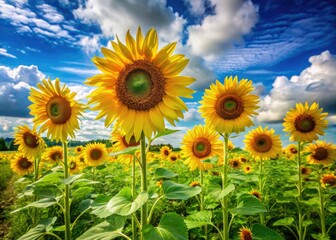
<point x="229" y="106"/>
<point x="246" y="235"/>
<point x="72" y="165"/>
<point x="140" y="85"/>
<point x="30" y="140"/>
<point x="321" y="154"/>
<point x="293" y="150"/>
<point x="173" y="158"/>
<point x="166" y="152"/>
<point x="303" y="170"/>
<point x="262" y="143"/>
<point x="56" y="156"/>
<point x="95" y="154"/>
<point x="24" y="163"/>
<point x="201" y="147"/>
<point x="330" y="181"/>
<point x="58" y="110"/>
<point x="131" y="143"/>
<point x="304" y="123"/>
<point x="235" y="164"/>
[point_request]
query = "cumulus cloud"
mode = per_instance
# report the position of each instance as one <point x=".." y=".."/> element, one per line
<point x="314" y="84"/>
<point x="89" y="44"/>
<point x="196" y="7"/>
<point x="14" y="89"/>
<point x="50" y="13"/>
<point x="192" y="115"/>
<point x="218" y="32"/>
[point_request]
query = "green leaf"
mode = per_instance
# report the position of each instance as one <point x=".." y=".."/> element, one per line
<point x="164" y="133"/>
<point x="46" y="191"/>
<point x="41" y="203"/>
<point x="42" y="227"/>
<point x="123" y="204"/>
<point x="260" y="232"/>
<point x="162" y="173"/>
<point x="173" y="190"/>
<point x="212" y="160"/>
<point x="198" y="219"/>
<point x="248" y="205"/>
<point x="99" y="206"/>
<point x="72" y="178"/>
<point x="130" y="150"/>
<point x="284" y="222"/>
<point x="235" y="150"/>
<point x="171" y="227"/>
<point x="216" y="191"/>
<point x="109" y="229"/>
<point x="85" y="204"/>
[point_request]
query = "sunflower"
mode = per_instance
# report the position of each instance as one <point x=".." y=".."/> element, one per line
<point x="75" y="165"/>
<point x="140" y="85"/>
<point x="256" y="193"/>
<point x="29" y="141"/>
<point x="231" y="145"/>
<point x="198" y="144"/>
<point x="235" y="163"/>
<point x="95" y="154"/>
<point x="305" y="122"/>
<point x="165" y="151"/>
<point x="22" y="165"/>
<point x="228" y="107"/>
<point x="54" y="154"/>
<point x="328" y="180"/>
<point x="120" y="143"/>
<point x="79" y="150"/>
<point x="195" y="184"/>
<point x="321" y="152"/>
<point x="305" y="171"/>
<point x="247" y="169"/>
<point x="291" y="151"/>
<point x="173" y="157"/>
<point x="245" y="233"/>
<point x="262" y="143"/>
<point x="55" y="109"/>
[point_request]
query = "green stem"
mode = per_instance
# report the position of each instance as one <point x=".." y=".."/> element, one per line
<point x="143" y="179"/>
<point x="153" y="207"/>
<point x="66" y="194"/>
<point x="322" y="212"/>
<point x="300" y="227"/>
<point x="36" y="176"/>
<point x="52" y="234"/>
<point x="202" y="205"/>
<point x="261" y="189"/>
<point x="134" y="227"/>
<point x="224" y="183"/>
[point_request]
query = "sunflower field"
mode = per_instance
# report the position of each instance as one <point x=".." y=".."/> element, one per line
<point x="205" y="189"/>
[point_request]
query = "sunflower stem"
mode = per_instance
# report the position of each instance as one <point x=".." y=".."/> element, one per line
<point x="322" y="203"/>
<point x="261" y="188"/>
<point x="300" y="226"/>
<point x="134" y="227"/>
<point x="66" y="194"/>
<point x="36" y="176"/>
<point x="143" y="178"/>
<point x="202" y="204"/>
<point x="224" y="183"/>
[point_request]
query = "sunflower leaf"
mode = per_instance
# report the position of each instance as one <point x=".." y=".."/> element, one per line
<point x="129" y="150"/>
<point x="248" y="205"/>
<point x="72" y="178"/>
<point x="260" y="232"/>
<point x="173" y="190"/>
<point x="198" y="219"/>
<point x="44" y="226"/>
<point x="164" y="133"/>
<point x="162" y="173"/>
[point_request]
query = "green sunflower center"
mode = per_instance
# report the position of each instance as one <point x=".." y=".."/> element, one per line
<point x="304" y="123"/>
<point x="140" y="85"/>
<point x="72" y="165"/>
<point x="229" y="107"/>
<point x="24" y="163"/>
<point x="30" y="140"/>
<point x="201" y="147"/>
<point x="321" y="154"/>
<point x="95" y="154"/>
<point x="58" y="110"/>
<point x="262" y="143"/>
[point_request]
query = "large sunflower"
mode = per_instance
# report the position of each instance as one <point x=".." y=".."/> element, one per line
<point x="120" y="143"/>
<point x="22" y="165"/>
<point x="305" y="122"/>
<point x="95" y="154"/>
<point x="321" y="152"/>
<point x="55" y="109"/>
<point x="228" y="107"/>
<point x="198" y="144"/>
<point x="53" y="154"/>
<point x="30" y="142"/>
<point x="263" y="143"/>
<point x="139" y="85"/>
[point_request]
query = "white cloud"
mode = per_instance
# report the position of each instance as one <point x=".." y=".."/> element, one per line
<point x="78" y="71"/>
<point x="196" y="7"/>
<point x="192" y="115"/>
<point x="50" y="13"/>
<point x="89" y="44"/>
<point x="315" y="84"/>
<point x="231" y="20"/>
<point x="115" y="17"/>
<point x="14" y="89"/>
<point x="4" y="52"/>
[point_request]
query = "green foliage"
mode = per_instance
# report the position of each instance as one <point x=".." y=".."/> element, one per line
<point x="3" y="145"/>
<point x="173" y="190"/>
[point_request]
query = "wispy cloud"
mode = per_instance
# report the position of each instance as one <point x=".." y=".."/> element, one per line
<point x="4" y="52"/>
<point x="78" y="71"/>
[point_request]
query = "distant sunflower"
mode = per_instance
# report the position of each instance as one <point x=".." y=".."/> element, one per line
<point x="95" y="154"/>
<point x="321" y="152"/>
<point x="79" y="150"/>
<point x="120" y="143"/>
<point x="75" y="166"/>
<point x="230" y="145"/>
<point x="229" y="107"/>
<point x="235" y="163"/>
<point x="305" y="171"/>
<point x="140" y="85"/>
<point x="245" y="234"/>
<point x="30" y="142"/>
<point x="54" y="154"/>
<point x="55" y="109"/>
<point x="173" y="157"/>
<point x="256" y="193"/>
<point x="328" y="180"/>
<point x="291" y="151"/>
<point x="195" y="184"/>
<point x="305" y="123"/>
<point x="200" y="143"/>
<point x="263" y="143"/>
<point x="247" y="169"/>
<point x="21" y="165"/>
<point x="165" y="151"/>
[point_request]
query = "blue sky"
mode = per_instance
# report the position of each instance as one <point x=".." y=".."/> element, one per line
<point x="287" y="48"/>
